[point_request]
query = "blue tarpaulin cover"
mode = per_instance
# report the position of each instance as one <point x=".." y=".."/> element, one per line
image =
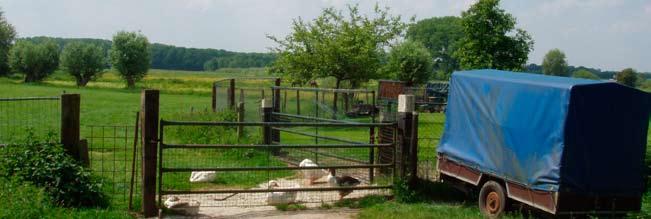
<point x="548" y="132"/>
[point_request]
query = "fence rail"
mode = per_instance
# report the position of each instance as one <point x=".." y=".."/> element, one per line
<point x="274" y="162"/>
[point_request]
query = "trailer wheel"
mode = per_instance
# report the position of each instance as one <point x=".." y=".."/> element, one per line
<point x="492" y="199"/>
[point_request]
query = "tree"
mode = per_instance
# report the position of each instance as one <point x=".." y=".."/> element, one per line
<point x="627" y="77"/>
<point x="491" y="40"/>
<point x="84" y="61"/>
<point x="347" y="48"/>
<point x="441" y="35"/>
<point x="130" y="56"/>
<point x="582" y="73"/>
<point x="554" y="63"/>
<point x="36" y="61"/>
<point x="410" y="62"/>
<point x="7" y="37"/>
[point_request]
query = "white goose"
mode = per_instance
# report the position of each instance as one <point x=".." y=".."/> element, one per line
<point x="276" y="198"/>
<point x="311" y="175"/>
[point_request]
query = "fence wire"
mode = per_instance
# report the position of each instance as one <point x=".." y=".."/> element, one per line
<point x="337" y="104"/>
<point x="249" y="91"/>
<point x="116" y="161"/>
<point x="20" y="116"/>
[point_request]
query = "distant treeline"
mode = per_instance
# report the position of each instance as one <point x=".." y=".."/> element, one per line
<point x="181" y="58"/>
<point x="535" y="68"/>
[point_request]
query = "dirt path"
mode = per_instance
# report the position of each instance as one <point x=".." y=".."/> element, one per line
<point x="269" y="212"/>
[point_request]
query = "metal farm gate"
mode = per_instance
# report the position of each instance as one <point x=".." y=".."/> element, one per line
<point x="243" y="163"/>
<point x="248" y="185"/>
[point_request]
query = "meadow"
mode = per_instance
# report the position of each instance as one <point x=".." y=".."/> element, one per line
<point x="186" y="95"/>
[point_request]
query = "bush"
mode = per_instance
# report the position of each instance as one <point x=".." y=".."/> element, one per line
<point x="205" y="134"/>
<point x="46" y="165"/>
<point x="24" y="200"/>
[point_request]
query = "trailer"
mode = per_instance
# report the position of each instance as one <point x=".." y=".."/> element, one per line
<point x="561" y="145"/>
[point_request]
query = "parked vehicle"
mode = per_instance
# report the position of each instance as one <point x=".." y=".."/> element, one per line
<point x="558" y="144"/>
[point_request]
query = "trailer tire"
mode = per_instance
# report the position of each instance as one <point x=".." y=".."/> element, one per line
<point x="492" y="199"/>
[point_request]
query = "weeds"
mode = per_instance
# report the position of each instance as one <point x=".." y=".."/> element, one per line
<point x="290" y="207"/>
<point x="365" y="202"/>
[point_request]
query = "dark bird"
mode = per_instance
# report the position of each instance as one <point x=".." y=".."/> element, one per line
<point x="342" y="181"/>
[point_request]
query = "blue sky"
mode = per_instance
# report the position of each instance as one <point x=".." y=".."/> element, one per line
<point x="606" y="34"/>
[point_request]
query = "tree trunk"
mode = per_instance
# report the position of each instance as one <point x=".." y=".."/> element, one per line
<point x="82" y="81"/>
<point x="131" y="82"/>
<point x="30" y="78"/>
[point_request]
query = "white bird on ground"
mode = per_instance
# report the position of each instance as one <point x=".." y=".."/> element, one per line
<point x="276" y="198"/>
<point x="342" y="181"/>
<point x="311" y="175"/>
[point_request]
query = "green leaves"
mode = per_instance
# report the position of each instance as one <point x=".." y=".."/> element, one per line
<point x="7" y="37"/>
<point x="410" y="62"/>
<point x="46" y="165"/>
<point x="36" y="61"/>
<point x="441" y="36"/>
<point x="627" y="77"/>
<point x="84" y="61"/>
<point x="491" y="39"/>
<point x="130" y="56"/>
<point x="554" y="63"/>
<point x="347" y="47"/>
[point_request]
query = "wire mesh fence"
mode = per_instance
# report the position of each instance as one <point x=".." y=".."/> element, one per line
<point x="115" y="156"/>
<point x="19" y="117"/>
<point x="336" y="104"/>
<point x="430" y="130"/>
<point x="242" y="172"/>
<point x="228" y="93"/>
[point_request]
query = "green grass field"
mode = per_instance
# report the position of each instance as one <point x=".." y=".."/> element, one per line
<point x="106" y="102"/>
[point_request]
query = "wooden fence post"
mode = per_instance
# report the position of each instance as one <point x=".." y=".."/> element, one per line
<point x="298" y="102"/>
<point x="70" y="124"/>
<point x="231" y="93"/>
<point x="214" y="98"/>
<point x="267" y="132"/>
<point x="149" y="122"/>
<point x="240" y="118"/>
<point x="407" y="151"/>
<point x="241" y="95"/>
<point x="275" y="134"/>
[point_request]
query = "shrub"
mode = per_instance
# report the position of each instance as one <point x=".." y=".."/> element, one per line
<point x="46" y="165"/>
<point x="204" y="134"/>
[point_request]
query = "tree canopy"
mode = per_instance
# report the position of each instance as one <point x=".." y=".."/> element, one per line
<point x="36" y="61"/>
<point x="491" y="40"/>
<point x="627" y="77"/>
<point x="410" y="62"/>
<point x="554" y="63"/>
<point x="7" y="37"/>
<point x="346" y="47"/>
<point x="130" y="56"/>
<point x="441" y="36"/>
<point x="84" y="61"/>
<point x="582" y="73"/>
